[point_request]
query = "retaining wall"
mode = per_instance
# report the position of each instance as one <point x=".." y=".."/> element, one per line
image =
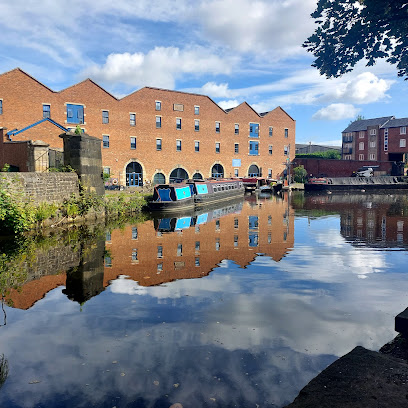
<point x="41" y="187"/>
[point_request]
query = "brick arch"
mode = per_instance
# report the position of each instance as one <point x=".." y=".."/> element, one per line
<point x="122" y="180"/>
<point x="253" y="164"/>
<point x="212" y="165"/>
<point x="174" y="168"/>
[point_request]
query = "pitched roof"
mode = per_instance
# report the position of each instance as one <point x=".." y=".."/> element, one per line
<point x="358" y="125"/>
<point x="394" y="123"/>
<point x="28" y="75"/>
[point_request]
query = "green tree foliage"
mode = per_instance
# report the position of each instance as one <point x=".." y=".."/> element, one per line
<point x="358" y="117"/>
<point x="349" y="31"/>
<point x="299" y="174"/>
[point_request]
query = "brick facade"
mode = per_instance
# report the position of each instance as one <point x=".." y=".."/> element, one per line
<point x="23" y="99"/>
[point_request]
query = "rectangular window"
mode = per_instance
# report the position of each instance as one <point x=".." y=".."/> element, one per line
<point x="386" y="140"/>
<point x="361" y="146"/>
<point x="372" y="156"/>
<point x="106" y="170"/>
<point x="236" y="172"/>
<point x="196" y="110"/>
<point x="132" y="119"/>
<point x="196" y="146"/>
<point x="253" y="148"/>
<point x="158" y="105"/>
<point x="197" y="245"/>
<point x="236" y="147"/>
<point x="159" y="251"/>
<point x="286" y="133"/>
<point x="235" y="241"/>
<point x="75" y="114"/>
<point x="270" y="149"/>
<point x="347" y="157"/>
<point x="133" y="143"/>
<point x="270" y="131"/>
<point x="158" y="144"/>
<point x="217" y="127"/>
<point x="178" y="145"/>
<point x="179" y="249"/>
<point x="178" y="123"/>
<point x="285" y="150"/>
<point x="134" y="254"/>
<point x="197" y="262"/>
<point x="236" y="222"/>
<point x="135" y="233"/>
<point x="361" y="157"/>
<point x="373" y="132"/>
<point x="158" y="122"/>
<point x="1" y="106"/>
<point x="105" y="139"/>
<point x="46" y="111"/>
<point x="253" y="130"/>
<point x="105" y="116"/>
<point x="159" y="267"/>
<point x="237" y="128"/>
<point x="217" y="147"/>
<point x="372" y="143"/>
<point x="269" y="173"/>
<point x="361" y="135"/>
<point x="403" y="142"/>
<point x="196" y="125"/>
<point x="403" y="130"/>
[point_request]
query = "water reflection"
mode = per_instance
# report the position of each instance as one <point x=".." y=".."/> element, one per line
<point x="240" y="306"/>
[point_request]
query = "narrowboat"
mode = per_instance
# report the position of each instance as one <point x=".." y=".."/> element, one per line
<point x="171" y="197"/>
<point x="212" y="191"/>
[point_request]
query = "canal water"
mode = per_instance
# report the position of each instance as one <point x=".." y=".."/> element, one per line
<point x="236" y="306"/>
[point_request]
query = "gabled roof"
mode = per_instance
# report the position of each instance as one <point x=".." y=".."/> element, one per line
<point x="394" y="123"/>
<point x="359" y="125"/>
<point x="280" y="108"/>
<point x="19" y="70"/>
<point x="243" y="104"/>
<point x="93" y="83"/>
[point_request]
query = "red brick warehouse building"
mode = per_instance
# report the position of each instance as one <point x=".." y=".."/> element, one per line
<point x="153" y="134"/>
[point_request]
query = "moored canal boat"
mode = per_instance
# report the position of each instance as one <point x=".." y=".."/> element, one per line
<point x="171" y="197"/>
<point x="211" y="191"/>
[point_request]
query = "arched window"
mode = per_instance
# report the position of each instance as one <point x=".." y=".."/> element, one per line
<point x="197" y="176"/>
<point x="217" y="171"/>
<point x="159" y="178"/>
<point x="134" y="174"/>
<point x="253" y="171"/>
<point x="178" y="175"/>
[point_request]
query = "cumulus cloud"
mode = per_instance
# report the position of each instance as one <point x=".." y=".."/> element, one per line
<point x="232" y="103"/>
<point x="159" y="67"/>
<point x="216" y="90"/>
<point x="336" y="111"/>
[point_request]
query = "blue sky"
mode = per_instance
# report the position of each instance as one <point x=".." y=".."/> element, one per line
<point x="230" y="50"/>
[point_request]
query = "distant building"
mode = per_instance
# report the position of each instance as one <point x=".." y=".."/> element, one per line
<point x="378" y="139"/>
<point x="313" y="148"/>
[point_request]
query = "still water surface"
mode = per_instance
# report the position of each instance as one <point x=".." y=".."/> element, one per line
<point x="240" y="306"/>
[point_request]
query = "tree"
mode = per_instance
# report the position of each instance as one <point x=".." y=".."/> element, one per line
<point x="358" y="117"/>
<point x="351" y="30"/>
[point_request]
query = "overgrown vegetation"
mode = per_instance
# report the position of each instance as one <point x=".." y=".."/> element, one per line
<point x="299" y="174"/>
<point x="328" y="154"/>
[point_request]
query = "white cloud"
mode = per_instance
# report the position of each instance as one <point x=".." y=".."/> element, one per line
<point x="216" y="90"/>
<point x="160" y="67"/>
<point x="264" y="27"/>
<point x="232" y="103"/>
<point x="336" y="111"/>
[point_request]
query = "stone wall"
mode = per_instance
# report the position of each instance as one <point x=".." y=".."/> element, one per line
<point x="41" y="187"/>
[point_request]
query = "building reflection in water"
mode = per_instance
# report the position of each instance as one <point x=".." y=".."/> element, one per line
<point x="191" y="246"/>
<point x="365" y="219"/>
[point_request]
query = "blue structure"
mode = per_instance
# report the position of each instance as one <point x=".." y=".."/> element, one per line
<point x="16" y="131"/>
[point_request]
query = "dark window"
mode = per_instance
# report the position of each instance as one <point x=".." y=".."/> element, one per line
<point x="105" y="141"/>
<point x="105" y="117"/>
<point x="270" y="149"/>
<point x="158" y="121"/>
<point x="134" y="254"/>
<point x="46" y="111"/>
<point x="237" y="129"/>
<point x="133" y="143"/>
<point x="132" y="119"/>
<point x="178" y="145"/>
<point x="1" y="106"/>
<point x="197" y="262"/>
<point x="197" y="146"/>
<point x="286" y="132"/>
<point x="134" y="233"/>
<point x="158" y="105"/>
<point x="236" y="147"/>
<point x="270" y="131"/>
<point x="158" y="144"/>
<point x="196" y="125"/>
<point x="160" y="251"/>
<point x="217" y="148"/>
<point x="217" y="127"/>
<point x="197" y="245"/>
<point x="178" y="123"/>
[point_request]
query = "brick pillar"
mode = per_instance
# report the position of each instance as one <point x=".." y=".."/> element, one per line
<point x="83" y="153"/>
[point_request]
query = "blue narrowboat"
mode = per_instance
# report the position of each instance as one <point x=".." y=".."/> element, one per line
<point x="211" y="191"/>
<point x="170" y="197"/>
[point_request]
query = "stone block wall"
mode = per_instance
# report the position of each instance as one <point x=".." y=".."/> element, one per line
<point x="41" y="187"/>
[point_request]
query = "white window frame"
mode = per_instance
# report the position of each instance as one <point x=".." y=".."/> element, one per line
<point x="361" y="156"/>
<point x="371" y="156"/>
<point x="130" y="120"/>
<point x="373" y="143"/>
<point x="403" y="130"/>
<point x="196" y="109"/>
<point x="158" y="105"/>
<point x="361" y="134"/>
<point x="361" y="146"/>
<point x="403" y="143"/>
<point x="178" y="143"/>
<point x="373" y="132"/>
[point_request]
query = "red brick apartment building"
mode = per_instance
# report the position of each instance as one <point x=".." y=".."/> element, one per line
<point x="378" y="139"/>
<point x="152" y="134"/>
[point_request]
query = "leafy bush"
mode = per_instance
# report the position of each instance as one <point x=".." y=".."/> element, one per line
<point x="328" y="154"/>
<point x="299" y="174"/>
